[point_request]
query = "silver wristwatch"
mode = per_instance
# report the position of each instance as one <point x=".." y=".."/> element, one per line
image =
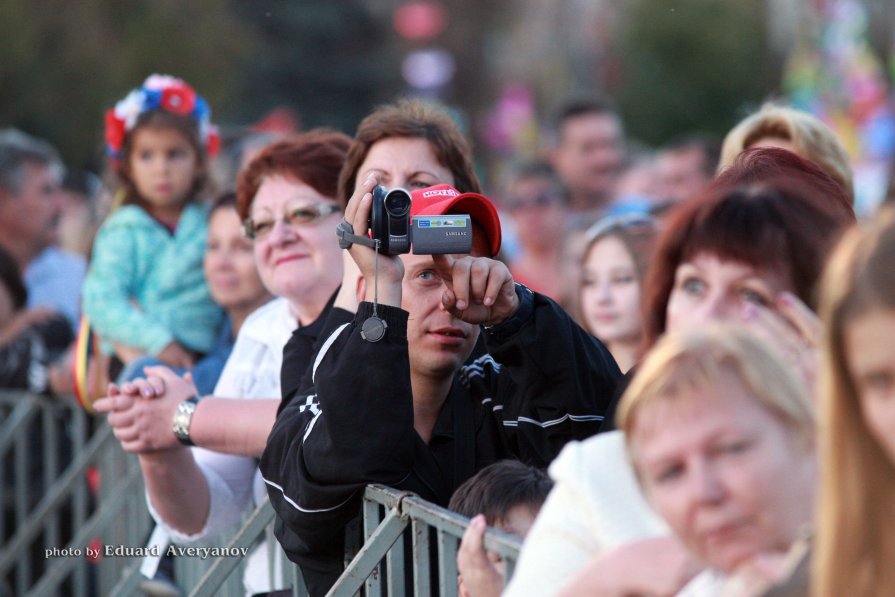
<point x="183" y="416"/>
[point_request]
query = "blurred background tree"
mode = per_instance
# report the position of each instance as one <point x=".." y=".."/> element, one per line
<point x="65" y="62"/>
<point x="502" y="66"/>
<point x="692" y="65"/>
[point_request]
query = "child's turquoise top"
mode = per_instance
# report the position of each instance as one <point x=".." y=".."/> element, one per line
<point x="145" y="287"/>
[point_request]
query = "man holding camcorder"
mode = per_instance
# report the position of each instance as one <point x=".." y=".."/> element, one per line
<point x="397" y="398"/>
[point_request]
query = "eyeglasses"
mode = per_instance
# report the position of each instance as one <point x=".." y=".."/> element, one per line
<point x="294" y="217"/>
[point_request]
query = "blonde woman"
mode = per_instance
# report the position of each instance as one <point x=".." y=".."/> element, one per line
<point x="856" y="531"/>
<point x="775" y="125"/>
<point x="721" y="435"/>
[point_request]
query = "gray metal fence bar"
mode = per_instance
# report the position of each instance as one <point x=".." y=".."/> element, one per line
<point x="371" y="520"/>
<point x="503" y="544"/>
<point x="422" y="587"/>
<point x="50" y="472"/>
<point x="395" y="561"/>
<point x="129" y="581"/>
<point x="382" y="552"/>
<point x="245" y="538"/>
<point x="369" y="557"/>
<point x="79" y="497"/>
<point x="24" y="410"/>
<point x="22" y="489"/>
<point x="100" y="520"/>
<point x="386" y="543"/>
<point x="447" y="562"/>
<point x="37" y="430"/>
<point x="32" y="527"/>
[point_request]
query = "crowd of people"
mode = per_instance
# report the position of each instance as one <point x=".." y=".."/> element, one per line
<point x="667" y="371"/>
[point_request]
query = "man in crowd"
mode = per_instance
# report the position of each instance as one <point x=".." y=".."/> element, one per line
<point x="589" y="153"/>
<point x="30" y="208"/>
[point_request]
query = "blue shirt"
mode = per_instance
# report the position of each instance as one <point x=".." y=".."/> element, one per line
<point x="54" y="279"/>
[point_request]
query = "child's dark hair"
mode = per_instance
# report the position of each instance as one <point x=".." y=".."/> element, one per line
<point x="125" y="189"/>
<point x="11" y="278"/>
<point x="500" y="487"/>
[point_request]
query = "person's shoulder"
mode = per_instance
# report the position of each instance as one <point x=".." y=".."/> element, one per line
<point x="596" y="455"/>
<point x="270" y="313"/>
<point x="54" y="258"/>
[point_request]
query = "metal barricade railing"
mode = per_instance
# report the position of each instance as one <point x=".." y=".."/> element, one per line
<point x="388" y="514"/>
<point x="38" y="437"/>
<point x="50" y="449"/>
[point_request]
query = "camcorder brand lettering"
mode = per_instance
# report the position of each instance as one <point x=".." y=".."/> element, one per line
<point x="440" y="193"/>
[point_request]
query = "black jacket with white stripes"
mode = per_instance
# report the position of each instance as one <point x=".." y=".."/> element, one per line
<point x="545" y="382"/>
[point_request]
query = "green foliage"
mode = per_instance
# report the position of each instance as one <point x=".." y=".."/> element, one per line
<point x="330" y="61"/>
<point x="64" y="63"/>
<point x="690" y="65"/>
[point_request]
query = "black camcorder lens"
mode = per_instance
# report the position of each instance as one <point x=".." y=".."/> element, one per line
<point x="397" y="203"/>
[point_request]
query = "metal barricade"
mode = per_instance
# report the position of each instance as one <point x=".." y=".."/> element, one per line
<point x="379" y="567"/>
<point x="388" y="515"/>
<point x="57" y="466"/>
<point x="60" y="531"/>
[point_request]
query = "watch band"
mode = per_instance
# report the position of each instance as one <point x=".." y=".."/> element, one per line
<point x="183" y="417"/>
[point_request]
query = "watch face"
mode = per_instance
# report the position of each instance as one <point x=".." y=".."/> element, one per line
<point x="183" y="416"/>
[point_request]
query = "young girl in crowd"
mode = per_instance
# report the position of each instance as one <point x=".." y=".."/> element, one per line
<point x="235" y="285"/>
<point x="615" y="260"/>
<point x="855" y="530"/>
<point x="145" y="293"/>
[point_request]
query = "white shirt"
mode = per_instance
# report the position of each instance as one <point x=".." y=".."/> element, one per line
<point x="595" y="505"/>
<point x="708" y="583"/>
<point x="252" y="371"/>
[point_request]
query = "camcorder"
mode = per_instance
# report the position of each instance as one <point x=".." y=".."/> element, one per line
<point x="397" y="232"/>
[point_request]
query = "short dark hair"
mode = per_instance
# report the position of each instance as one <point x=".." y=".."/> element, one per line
<point x="580" y="106"/>
<point x="314" y="158"/>
<point x="11" y="278"/>
<point x="17" y="149"/>
<point x="500" y="487"/>
<point x="708" y="145"/>
<point x="412" y="119"/>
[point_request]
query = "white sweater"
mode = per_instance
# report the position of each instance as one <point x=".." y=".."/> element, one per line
<point x="595" y="505"/>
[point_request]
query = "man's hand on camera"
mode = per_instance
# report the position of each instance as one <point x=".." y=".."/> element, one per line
<point x="391" y="270"/>
<point x="479" y="290"/>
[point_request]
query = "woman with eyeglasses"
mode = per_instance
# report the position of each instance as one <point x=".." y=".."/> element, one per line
<point x="286" y="197"/>
<point x="615" y="260"/>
